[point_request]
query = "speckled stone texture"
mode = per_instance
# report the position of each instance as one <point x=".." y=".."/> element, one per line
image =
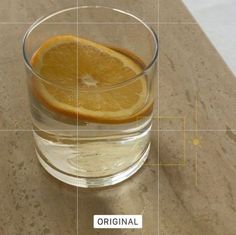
<point x="192" y="190"/>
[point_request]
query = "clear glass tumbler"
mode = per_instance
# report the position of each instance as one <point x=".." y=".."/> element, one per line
<point x="111" y="141"/>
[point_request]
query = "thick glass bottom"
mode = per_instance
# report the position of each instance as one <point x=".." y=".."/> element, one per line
<point x="93" y="182"/>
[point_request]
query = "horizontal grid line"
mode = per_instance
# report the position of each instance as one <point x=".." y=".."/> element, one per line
<point x="138" y="23"/>
<point x="162" y="130"/>
<point x="164" y="164"/>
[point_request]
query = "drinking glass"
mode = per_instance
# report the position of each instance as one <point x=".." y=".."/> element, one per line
<point x="93" y="152"/>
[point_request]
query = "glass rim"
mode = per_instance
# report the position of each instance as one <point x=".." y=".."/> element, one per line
<point x="102" y="88"/>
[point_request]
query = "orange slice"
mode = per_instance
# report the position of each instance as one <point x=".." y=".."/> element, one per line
<point x="68" y="63"/>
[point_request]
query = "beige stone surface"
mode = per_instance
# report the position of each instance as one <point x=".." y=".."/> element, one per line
<point x="192" y="191"/>
<point x="30" y="10"/>
<point x="173" y="11"/>
<point x="14" y="108"/>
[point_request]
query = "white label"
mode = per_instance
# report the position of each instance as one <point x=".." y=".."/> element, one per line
<point x="117" y="221"/>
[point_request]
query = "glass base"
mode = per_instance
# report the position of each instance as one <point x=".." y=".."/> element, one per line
<point x="93" y="182"/>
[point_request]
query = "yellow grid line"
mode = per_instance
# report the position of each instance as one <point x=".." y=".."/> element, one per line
<point x="184" y="150"/>
<point x="196" y="116"/>
<point x="184" y="141"/>
<point x="196" y="169"/>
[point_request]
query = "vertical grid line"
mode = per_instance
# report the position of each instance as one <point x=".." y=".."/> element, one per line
<point x="196" y="115"/>
<point x="184" y="128"/>
<point x="77" y="126"/>
<point x="158" y="123"/>
<point x="196" y="169"/>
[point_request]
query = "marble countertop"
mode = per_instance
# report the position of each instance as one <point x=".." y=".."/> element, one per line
<point x="188" y="184"/>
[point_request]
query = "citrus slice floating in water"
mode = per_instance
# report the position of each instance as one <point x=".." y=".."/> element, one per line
<point x="74" y="71"/>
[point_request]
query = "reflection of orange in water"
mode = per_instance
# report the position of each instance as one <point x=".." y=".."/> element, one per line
<point x="72" y="62"/>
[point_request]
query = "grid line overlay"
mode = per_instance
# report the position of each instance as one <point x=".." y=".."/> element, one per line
<point x="183" y="120"/>
<point x="163" y="130"/>
<point x="158" y="23"/>
<point x="90" y="22"/>
<point x="77" y="121"/>
<point x="158" y="123"/>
